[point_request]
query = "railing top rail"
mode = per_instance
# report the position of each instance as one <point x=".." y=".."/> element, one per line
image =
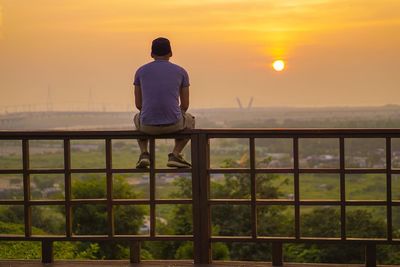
<point x="210" y="131"/>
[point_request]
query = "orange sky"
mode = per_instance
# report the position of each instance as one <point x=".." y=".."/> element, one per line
<point x="338" y="52"/>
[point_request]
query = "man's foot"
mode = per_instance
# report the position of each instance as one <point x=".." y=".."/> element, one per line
<point x="144" y="161"/>
<point x="177" y="161"/>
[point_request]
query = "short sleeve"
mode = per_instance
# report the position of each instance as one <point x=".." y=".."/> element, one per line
<point x="185" y="78"/>
<point x="136" y="80"/>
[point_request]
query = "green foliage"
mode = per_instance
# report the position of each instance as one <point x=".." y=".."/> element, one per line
<point x="234" y="220"/>
<point x="26" y="250"/>
<point x="43" y="181"/>
<point x="75" y="250"/>
<point x="361" y="223"/>
<point x="12" y="214"/>
<point x="16" y="249"/>
<point x="131" y="217"/>
<point x="325" y="222"/>
<point x="50" y="218"/>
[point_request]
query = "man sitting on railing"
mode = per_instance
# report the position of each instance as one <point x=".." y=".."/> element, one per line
<point x="159" y="85"/>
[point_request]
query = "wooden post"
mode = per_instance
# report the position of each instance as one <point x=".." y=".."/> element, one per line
<point x="202" y="232"/>
<point x="135" y="252"/>
<point x="277" y="254"/>
<point x="47" y="251"/>
<point x="370" y="255"/>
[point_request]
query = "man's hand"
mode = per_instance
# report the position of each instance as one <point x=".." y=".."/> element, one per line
<point x="184" y="97"/>
<point x="138" y="97"/>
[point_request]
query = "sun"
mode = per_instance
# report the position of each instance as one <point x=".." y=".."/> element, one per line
<point x="278" y="65"/>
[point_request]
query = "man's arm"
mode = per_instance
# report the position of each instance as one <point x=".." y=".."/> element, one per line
<point x="184" y="97"/>
<point x="138" y="97"/>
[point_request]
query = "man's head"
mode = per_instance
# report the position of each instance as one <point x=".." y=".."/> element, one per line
<point x="161" y="48"/>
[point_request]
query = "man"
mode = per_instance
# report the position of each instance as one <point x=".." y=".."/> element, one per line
<point x="162" y="96"/>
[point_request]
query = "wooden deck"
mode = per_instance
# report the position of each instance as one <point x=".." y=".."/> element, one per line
<point x="22" y="263"/>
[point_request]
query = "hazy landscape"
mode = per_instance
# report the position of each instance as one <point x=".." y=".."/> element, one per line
<point x="255" y="117"/>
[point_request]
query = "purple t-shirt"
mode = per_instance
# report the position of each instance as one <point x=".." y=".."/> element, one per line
<point x="160" y="82"/>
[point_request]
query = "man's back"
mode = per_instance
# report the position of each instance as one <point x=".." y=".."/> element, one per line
<point x="162" y="96"/>
<point x="160" y="83"/>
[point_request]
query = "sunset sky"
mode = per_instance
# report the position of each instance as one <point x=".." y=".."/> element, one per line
<point x="337" y="52"/>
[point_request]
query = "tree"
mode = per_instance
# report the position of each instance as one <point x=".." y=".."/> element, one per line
<point x="325" y="222"/>
<point x="238" y="186"/>
<point x="92" y="219"/>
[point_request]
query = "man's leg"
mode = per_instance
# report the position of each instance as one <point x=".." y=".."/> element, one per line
<point x="143" y="144"/>
<point x="144" y="158"/>
<point x="188" y="123"/>
<point x="179" y="146"/>
<point x="174" y="158"/>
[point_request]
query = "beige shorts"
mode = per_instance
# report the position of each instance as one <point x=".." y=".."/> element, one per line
<point x="186" y="122"/>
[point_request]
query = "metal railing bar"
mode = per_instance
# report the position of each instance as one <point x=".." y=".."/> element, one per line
<point x="389" y="188"/>
<point x="319" y="170"/>
<point x="308" y="240"/>
<point x="342" y="163"/>
<point x="50" y="202"/>
<point x="211" y="171"/>
<point x="97" y="170"/>
<point x="275" y="202"/>
<point x="253" y="188"/>
<point x="27" y="192"/>
<point x="320" y="202"/>
<point x="83" y="135"/>
<point x="296" y="177"/>
<point x="191" y="238"/>
<point x="94" y="238"/>
<point x="147" y="202"/>
<point x="363" y="171"/>
<point x="229" y="170"/>
<point x="11" y="202"/>
<point x="67" y="187"/>
<point x="74" y="202"/>
<point x="313" y="202"/>
<point x="102" y="201"/>
<point x="300" y="170"/>
<point x="171" y="170"/>
<point x="152" y="184"/>
<point x="366" y="203"/>
<point x="305" y="135"/>
<point x="47" y="171"/>
<point x="300" y="132"/>
<point x="210" y="131"/>
<point x="273" y="170"/>
<point x="12" y="171"/>
<point x="395" y="203"/>
<point x="230" y="202"/>
<point x="109" y="188"/>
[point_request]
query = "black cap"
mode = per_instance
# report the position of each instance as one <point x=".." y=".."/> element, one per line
<point x="160" y="47"/>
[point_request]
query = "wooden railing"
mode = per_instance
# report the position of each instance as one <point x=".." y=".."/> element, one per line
<point x="201" y="201"/>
